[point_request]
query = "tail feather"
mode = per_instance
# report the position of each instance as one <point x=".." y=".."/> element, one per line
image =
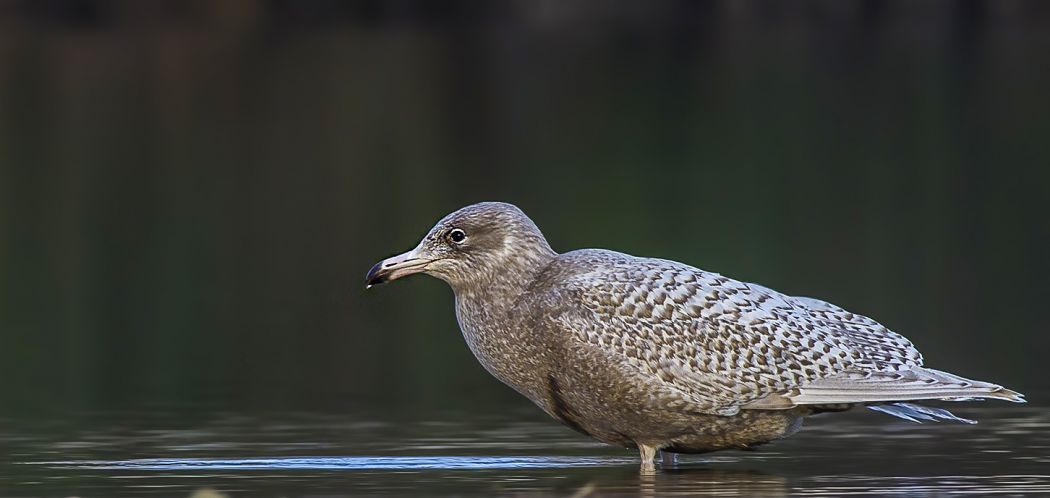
<point x="918" y="413"/>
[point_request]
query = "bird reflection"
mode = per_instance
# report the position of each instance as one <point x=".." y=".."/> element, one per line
<point x="691" y="481"/>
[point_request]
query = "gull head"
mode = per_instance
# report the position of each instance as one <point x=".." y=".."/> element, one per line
<point x="470" y="247"/>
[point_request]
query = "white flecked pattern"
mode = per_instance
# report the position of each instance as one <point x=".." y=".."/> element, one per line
<point x="725" y="344"/>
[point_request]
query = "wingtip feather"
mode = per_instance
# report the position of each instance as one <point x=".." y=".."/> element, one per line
<point x="1009" y="395"/>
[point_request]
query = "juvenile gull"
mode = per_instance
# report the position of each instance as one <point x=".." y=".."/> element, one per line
<point x="658" y="355"/>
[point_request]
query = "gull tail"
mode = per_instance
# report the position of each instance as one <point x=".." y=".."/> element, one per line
<point x="918" y="413"/>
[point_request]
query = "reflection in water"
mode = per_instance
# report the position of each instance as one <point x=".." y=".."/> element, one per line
<point x="133" y="454"/>
<point x="713" y="482"/>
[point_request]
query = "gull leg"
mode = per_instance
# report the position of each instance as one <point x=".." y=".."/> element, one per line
<point x="668" y="460"/>
<point x="648" y="453"/>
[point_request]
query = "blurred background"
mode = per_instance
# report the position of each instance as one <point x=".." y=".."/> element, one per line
<point x="192" y="191"/>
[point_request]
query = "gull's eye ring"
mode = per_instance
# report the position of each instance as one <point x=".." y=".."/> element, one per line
<point x="456" y="236"/>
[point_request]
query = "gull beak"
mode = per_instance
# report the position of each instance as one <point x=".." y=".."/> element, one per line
<point x="395" y="268"/>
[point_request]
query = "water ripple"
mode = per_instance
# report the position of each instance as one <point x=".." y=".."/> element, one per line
<point x="344" y="463"/>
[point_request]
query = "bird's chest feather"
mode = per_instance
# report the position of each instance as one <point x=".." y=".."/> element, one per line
<point x="503" y="343"/>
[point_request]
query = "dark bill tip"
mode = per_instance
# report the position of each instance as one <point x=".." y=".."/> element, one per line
<point x="375" y="276"/>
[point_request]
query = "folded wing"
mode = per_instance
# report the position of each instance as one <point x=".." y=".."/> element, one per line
<point x="723" y="345"/>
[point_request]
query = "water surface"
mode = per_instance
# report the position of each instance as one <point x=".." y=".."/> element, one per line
<point x="155" y="453"/>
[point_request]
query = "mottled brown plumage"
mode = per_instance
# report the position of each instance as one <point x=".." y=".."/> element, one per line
<point x="659" y="355"/>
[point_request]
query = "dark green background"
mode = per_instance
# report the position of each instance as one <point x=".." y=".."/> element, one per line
<point x="191" y="192"/>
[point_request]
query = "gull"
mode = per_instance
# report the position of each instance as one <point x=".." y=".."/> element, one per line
<point x="658" y="355"/>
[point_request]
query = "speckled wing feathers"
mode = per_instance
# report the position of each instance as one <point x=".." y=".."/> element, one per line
<point x="718" y="345"/>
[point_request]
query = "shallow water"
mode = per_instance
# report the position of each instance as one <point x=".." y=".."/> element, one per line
<point x="521" y="453"/>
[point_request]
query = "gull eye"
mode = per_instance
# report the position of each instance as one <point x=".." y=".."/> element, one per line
<point x="457" y="236"/>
